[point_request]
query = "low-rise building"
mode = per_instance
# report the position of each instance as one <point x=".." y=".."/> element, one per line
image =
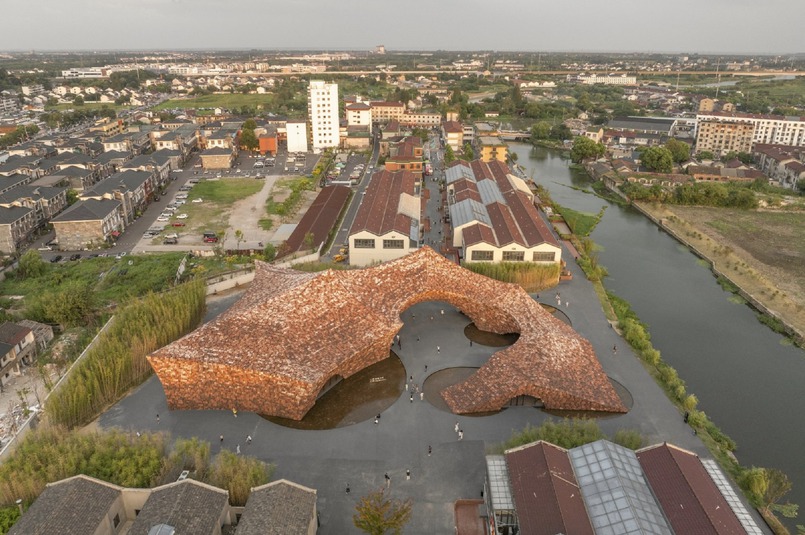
<point x="17" y="347"/>
<point x="88" y="224"/>
<point x="296" y="135"/>
<point x="493" y="218"/>
<point x="133" y="189"/>
<point x="17" y="224"/>
<point x="46" y="202"/>
<point x="217" y="158"/>
<point x="453" y="135"/>
<point x="767" y="129"/>
<point x="782" y="163"/>
<point x="384" y="111"/>
<point x="406" y="155"/>
<point x="359" y="114"/>
<point x="492" y="149"/>
<point x="387" y="223"/>
<point x="721" y="137"/>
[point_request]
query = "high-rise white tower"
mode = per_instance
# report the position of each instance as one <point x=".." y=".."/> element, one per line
<point x="322" y="108"/>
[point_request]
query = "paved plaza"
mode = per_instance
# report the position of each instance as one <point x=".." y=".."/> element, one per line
<point x="361" y="454"/>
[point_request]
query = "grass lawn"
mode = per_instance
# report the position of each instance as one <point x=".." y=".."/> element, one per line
<point x="233" y="100"/>
<point x="212" y="214"/>
<point x="90" y="105"/>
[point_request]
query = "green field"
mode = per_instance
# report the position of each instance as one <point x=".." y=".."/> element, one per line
<point x="233" y="100"/>
<point x="87" y="105"/>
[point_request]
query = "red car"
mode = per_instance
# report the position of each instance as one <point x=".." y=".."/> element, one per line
<point x="177" y="224"/>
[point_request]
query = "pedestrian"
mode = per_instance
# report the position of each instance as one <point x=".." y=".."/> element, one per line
<point x="138" y="433"/>
<point x="412" y="398"/>
<point x="157" y="418"/>
<point x="438" y="349"/>
<point x="417" y="338"/>
<point x="222" y="439"/>
<point x="347" y="488"/>
<point x="567" y="304"/>
<point x="614" y="349"/>
<point x="249" y="439"/>
<point x="408" y="475"/>
<point x="456" y="428"/>
<point x="388" y="480"/>
<point x="470" y="342"/>
<point x="377" y="420"/>
<point x="426" y="368"/>
<point x="422" y="396"/>
<point x="406" y="387"/>
<point x="237" y="450"/>
<point x="411" y="378"/>
<point x="399" y="344"/>
<point x="442" y="312"/>
<point x="430" y="450"/>
<point x="413" y="316"/>
<point x="235" y="412"/>
<point x="559" y="302"/>
<point x="431" y="318"/>
<point x="461" y="434"/>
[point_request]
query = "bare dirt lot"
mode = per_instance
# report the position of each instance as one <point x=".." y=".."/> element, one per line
<point x="761" y="251"/>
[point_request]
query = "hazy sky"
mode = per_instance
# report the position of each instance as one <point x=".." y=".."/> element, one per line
<point x="724" y="26"/>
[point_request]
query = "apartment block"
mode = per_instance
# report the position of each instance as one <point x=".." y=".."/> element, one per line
<point x="323" y="114"/>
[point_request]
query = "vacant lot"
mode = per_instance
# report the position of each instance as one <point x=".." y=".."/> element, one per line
<point x="228" y="100"/>
<point x="762" y="251"/>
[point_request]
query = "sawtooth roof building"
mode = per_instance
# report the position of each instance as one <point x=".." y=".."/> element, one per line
<point x="493" y="217"/>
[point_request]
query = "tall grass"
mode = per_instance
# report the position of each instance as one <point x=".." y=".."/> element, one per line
<point x="532" y="277"/>
<point x="117" y="361"/>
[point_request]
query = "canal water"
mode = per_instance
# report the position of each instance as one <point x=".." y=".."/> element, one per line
<point x="747" y="378"/>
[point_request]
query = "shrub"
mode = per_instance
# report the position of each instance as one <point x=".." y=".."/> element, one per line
<point x="532" y="277"/>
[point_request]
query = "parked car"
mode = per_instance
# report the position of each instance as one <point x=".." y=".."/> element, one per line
<point x="210" y="237"/>
<point x="181" y="216"/>
<point x="56" y="258"/>
<point x="46" y="248"/>
<point x="198" y="199"/>
<point x="163" y="218"/>
<point x="170" y="241"/>
<point x="177" y="224"/>
<point x="75" y="256"/>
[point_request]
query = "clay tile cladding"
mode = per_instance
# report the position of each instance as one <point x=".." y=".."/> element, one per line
<point x="546" y="495"/>
<point x="689" y="498"/>
<point x="379" y="212"/>
<point x="275" y="349"/>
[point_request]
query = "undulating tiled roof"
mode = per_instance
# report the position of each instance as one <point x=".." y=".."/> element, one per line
<point x="285" y="338"/>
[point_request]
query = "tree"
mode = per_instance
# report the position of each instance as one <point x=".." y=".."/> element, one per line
<point x="540" y="130"/>
<point x="376" y="514"/>
<point x="79" y="100"/>
<point x="269" y="252"/>
<point x="561" y="132"/>
<point x="584" y="148"/>
<point x="238" y="238"/>
<point x="469" y="154"/>
<point x="449" y="155"/>
<point x="680" y="151"/>
<point x="706" y="155"/>
<point x="249" y="124"/>
<point x="31" y="265"/>
<point x="658" y="159"/>
<point x="71" y="306"/>
<point x="248" y="140"/>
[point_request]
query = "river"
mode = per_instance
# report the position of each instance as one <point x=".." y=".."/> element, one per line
<point x="748" y="380"/>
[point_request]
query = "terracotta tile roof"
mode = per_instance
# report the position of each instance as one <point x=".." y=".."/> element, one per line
<point x="452" y="127"/>
<point x="545" y="491"/>
<point x="13" y="334"/>
<point x="383" y="103"/>
<point x="319" y="218"/>
<point x="263" y="355"/>
<point x="478" y="233"/>
<point x="689" y="498"/>
<point x="379" y="212"/>
<point x="359" y="106"/>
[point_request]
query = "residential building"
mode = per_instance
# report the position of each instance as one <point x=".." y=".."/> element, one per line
<point x="723" y="174"/>
<point x="600" y="487"/>
<point x="421" y="119"/>
<point x="85" y="505"/>
<point x="722" y="137"/>
<point x="88" y="224"/>
<point x="406" y="155"/>
<point x="296" y="135"/>
<point x="22" y="339"/>
<point x="86" y="72"/>
<point x="383" y="111"/>
<point x="453" y="135"/>
<point x="782" y="163"/>
<point x="17" y="223"/>
<point x="46" y="202"/>
<point x="107" y="127"/>
<point x="707" y="105"/>
<point x="9" y="103"/>
<point x="492" y="148"/>
<point x="43" y="333"/>
<point x="604" y="79"/>
<point x="359" y="114"/>
<point x="387" y="223"/>
<point x="768" y="129"/>
<point x="493" y="218"/>
<point x="323" y="114"/>
<point x="132" y="189"/>
<point x="217" y="158"/>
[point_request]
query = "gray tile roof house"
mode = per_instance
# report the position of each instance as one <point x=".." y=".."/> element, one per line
<point x="12" y="214"/>
<point x="89" y="210"/>
<point x="279" y="508"/>
<point x="76" y="505"/>
<point x="187" y="506"/>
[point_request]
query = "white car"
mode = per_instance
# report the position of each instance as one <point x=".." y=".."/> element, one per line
<point x="199" y="199"/>
<point x="181" y="216"/>
<point x="163" y="219"/>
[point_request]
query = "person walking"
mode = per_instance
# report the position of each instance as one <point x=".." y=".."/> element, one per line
<point x="408" y="475"/>
<point x="157" y="418"/>
<point x="426" y="368"/>
<point x="430" y="450"/>
<point x="347" y="488"/>
<point x="222" y="439"/>
<point x="470" y="342"/>
<point x="234" y="412"/>
<point x="456" y="428"/>
<point x="388" y="480"/>
<point x="614" y="349"/>
<point x="237" y="450"/>
<point x="461" y="434"/>
<point x="438" y="349"/>
<point x="422" y="396"/>
<point x="412" y="398"/>
<point x="249" y="439"/>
